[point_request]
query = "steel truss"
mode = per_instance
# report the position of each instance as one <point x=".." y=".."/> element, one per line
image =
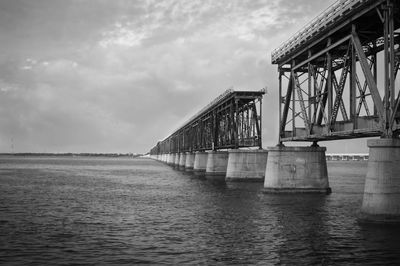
<point x="232" y="120"/>
<point x="342" y="82"/>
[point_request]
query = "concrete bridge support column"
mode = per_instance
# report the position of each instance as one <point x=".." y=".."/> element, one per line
<point x="296" y="169"/>
<point x="171" y="159"/>
<point x="246" y="165"/>
<point x="217" y="162"/>
<point x="200" y="163"/>
<point x="381" y="202"/>
<point x="177" y="159"/>
<point x="189" y="161"/>
<point x="182" y="160"/>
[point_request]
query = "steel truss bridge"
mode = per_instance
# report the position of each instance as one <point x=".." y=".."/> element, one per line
<point x="337" y="75"/>
<point x="231" y="121"/>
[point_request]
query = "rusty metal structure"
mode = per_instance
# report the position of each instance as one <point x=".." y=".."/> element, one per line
<point x="231" y="121"/>
<point x="337" y="75"/>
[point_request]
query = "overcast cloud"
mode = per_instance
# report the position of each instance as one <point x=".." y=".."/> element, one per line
<point x="117" y="76"/>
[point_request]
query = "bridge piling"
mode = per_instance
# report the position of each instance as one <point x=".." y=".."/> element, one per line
<point x="381" y="201"/>
<point x="200" y="163"/>
<point x="177" y="159"/>
<point x="217" y="162"/>
<point x="182" y="160"/>
<point x="296" y="170"/>
<point x="171" y="159"/>
<point x="189" y="161"/>
<point x="246" y="165"/>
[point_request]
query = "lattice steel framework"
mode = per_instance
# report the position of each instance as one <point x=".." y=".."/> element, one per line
<point x="232" y="120"/>
<point x="337" y="78"/>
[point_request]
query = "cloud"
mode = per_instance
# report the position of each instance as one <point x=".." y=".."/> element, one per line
<point x="117" y="76"/>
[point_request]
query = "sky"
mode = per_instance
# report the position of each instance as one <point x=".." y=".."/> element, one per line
<point x="120" y="75"/>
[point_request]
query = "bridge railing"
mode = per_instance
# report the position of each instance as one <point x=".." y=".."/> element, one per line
<point x="321" y="22"/>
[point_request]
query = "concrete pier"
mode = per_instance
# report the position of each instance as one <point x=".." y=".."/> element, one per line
<point x="177" y="158"/>
<point x="189" y="161"/>
<point x="171" y="159"/>
<point x="200" y="163"/>
<point x="381" y="202"/>
<point x="246" y="165"/>
<point x="217" y="162"/>
<point x="296" y="169"/>
<point x="182" y="161"/>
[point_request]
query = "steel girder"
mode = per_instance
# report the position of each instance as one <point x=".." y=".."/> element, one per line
<point x="231" y="121"/>
<point x="343" y="82"/>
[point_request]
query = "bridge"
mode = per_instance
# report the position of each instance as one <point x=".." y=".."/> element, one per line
<point x="231" y="121"/>
<point x="337" y="80"/>
<point x="330" y="82"/>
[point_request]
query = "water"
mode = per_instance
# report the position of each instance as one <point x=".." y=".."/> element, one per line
<point x="65" y="211"/>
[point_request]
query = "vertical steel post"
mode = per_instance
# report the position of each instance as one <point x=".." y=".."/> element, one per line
<point x="329" y="84"/>
<point x="215" y="132"/>
<point x="292" y="77"/>
<point x="375" y="71"/>
<point x="236" y="121"/>
<point x="353" y="80"/>
<point x="309" y="86"/>
<point x="386" y="68"/>
<point x="392" y="63"/>
<point x="280" y="105"/>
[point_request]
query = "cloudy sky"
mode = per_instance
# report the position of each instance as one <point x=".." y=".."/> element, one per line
<point x="117" y="76"/>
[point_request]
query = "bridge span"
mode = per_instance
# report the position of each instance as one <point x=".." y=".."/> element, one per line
<point x="337" y="79"/>
<point x="205" y="142"/>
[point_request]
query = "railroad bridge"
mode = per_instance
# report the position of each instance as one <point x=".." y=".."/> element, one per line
<point x="337" y="79"/>
<point x="337" y="75"/>
<point x="204" y="143"/>
<point x="231" y="121"/>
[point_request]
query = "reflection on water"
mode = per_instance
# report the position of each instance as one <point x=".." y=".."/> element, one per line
<point x="130" y="211"/>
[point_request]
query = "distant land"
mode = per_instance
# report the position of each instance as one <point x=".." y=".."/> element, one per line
<point x="130" y="155"/>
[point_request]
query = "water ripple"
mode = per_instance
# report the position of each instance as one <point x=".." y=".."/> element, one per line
<point x="74" y="211"/>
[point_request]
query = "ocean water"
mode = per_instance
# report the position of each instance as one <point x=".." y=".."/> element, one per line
<point x="104" y="211"/>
